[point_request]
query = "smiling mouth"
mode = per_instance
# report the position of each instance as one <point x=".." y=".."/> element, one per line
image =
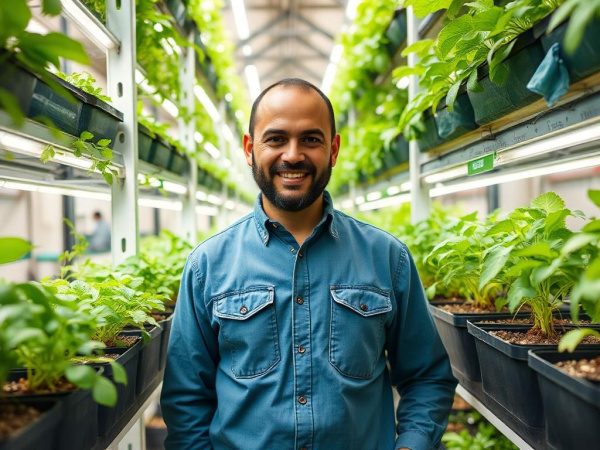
<point x="292" y="175"/>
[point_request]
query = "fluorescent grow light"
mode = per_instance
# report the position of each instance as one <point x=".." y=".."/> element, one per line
<point x="89" y="25"/>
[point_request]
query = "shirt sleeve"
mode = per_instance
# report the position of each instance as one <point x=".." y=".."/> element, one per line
<point x="188" y="398"/>
<point x="420" y="368"/>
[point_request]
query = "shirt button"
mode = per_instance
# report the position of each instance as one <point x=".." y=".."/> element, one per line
<point x="302" y="400"/>
<point x="292" y="250"/>
<point x="364" y="307"/>
<point x="300" y="300"/>
<point x="303" y="448"/>
<point x="243" y="310"/>
<point x="301" y="349"/>
<point x="300" y="254"/>
<point x="275" y="225"/>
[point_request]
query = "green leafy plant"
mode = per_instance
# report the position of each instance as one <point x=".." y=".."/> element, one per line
<point x="47" y="333"/>
<point x="485" y="33"/>
<point x="527" y="255"/>
<point x="486" y="437"/>
<point x="86" y="82"/>
<point x="13" y="249"/>
<point x="586" y="291"/>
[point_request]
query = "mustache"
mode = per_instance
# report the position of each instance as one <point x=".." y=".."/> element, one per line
<point x="301" y="166"/>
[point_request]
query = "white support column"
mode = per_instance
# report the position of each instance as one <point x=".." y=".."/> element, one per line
<point x="189" y="202"/>
<point x="123" y="91"/>
<point x="420" y="202"/>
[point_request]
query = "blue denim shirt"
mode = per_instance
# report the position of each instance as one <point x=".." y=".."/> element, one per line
<point x="275" y="346"/>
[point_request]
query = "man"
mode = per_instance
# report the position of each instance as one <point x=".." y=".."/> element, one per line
<point x="100" y="240"/>
<point x="284" y="319"/>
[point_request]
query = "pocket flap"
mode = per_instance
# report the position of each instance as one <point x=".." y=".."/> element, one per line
<point x="366" y="301"/>
<point x="240" y="305"/>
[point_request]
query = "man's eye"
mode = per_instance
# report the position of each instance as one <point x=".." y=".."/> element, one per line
<point x="313" y="140"/>
<point x="275" y="139"/>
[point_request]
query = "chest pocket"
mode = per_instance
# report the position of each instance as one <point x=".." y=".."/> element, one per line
<point x="356" y="339"/>
<point x="249" y="330"/>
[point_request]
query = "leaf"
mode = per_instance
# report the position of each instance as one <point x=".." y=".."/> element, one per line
<point x="47" y="154"/>
<point x="593" y="226"/>
<point x="104" y="392"/>
<point x="452" y="94"/>
<point x="493" y="263"/>
<point x="577" y="241"/>
<point x="472" y="84"/>
<point x="556" y="220"/>
<point x="13" y="249"/>
<point x="542" y="249"/>
<point x="103" y="143"/>
<point x="594" y="196"/>
<point x="51" y="46"/>
<point x="572" y="339"/>
<point x="14" y="17"/>
<point x="51" y="7"/>
<point x="543" y="272"/>
<point x="452" y="33"/>
<point x="419" y="47"/>
<point x="86" y="136"/>
<point x="487" y="20"/>
<point x="560" y="15"/>
<point x="580" y="19"/>
<point x="519" y="291"/>
<point x="81" y="375"/>
<point x="10" y="104"/>
<point x="454" y="8"/>
<point x="423" y="7"/>
<point x="119" y="373"/>
<point x="549" y="202"/>
<point x="22" y="335"/>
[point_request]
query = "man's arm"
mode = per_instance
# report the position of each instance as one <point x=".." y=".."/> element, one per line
<point x="188" y="399"/>
<point x="420" y="366"/>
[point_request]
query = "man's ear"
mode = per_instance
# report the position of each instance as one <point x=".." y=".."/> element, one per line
<point x="248" y="146"/>
<point x="335" y="149"/>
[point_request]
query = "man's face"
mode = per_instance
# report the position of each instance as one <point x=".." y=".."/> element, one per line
<point x="293" y="151"/>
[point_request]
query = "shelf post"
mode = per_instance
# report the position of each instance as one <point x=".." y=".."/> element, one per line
<point x="420" y="202"/>
<point x="120" y="20"/>
<point x="188" y="201"/>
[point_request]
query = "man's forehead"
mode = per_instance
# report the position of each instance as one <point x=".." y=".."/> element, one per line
<point x="278" y="98"/>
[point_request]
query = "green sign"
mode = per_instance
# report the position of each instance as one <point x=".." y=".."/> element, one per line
<point x="480" y="165"/>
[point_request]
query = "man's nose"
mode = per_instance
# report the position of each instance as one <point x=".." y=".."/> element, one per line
<point x="293" y="152"/>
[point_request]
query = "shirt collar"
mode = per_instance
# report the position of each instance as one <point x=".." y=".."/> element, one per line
<point x="261" y="219"/>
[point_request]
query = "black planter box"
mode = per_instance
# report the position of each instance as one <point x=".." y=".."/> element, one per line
<point x="396" y="32"/>
<point x="586" y="59"/>
<point x="571" y="405"/>
<point x="429" y="138"/>
<point x="460" y="345"/>
<point x="453" y="124"/>
<point x="497" y="101"/>
<point x="145" y="142"/>
<point x="148" y="366"/>
<point x="40" y="434"/>
<point x="78" y="426"/>
<point x="87" y="113"/>
<point x="178" y="10"/>
<point x="17" y="81"/>
<point x="161" y="152"/>
<point x="179" y="163"/>
<point x="111" y="420"/>
<point x="397" y="154"/>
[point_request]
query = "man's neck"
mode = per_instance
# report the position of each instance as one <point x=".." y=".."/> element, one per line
<point x="301" y="223"/>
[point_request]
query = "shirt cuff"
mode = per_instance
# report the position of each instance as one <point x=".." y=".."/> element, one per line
<point x="413" y="439"/>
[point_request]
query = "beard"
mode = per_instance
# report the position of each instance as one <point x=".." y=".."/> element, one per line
<point x="294" y="203"/>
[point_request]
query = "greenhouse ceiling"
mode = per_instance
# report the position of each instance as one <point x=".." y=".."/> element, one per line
<point x="276" y="39"/>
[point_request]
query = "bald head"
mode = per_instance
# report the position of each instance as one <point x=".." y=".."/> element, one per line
<point x="294" y="83"/>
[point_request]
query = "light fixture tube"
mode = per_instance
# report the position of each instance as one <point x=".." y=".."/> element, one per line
<point x="207" y="210"/>
<point x="174" y="188"/>
<point x="205" y="100"/>
<point x="253" y="81"/>
<point x="372" y="196"/>
<point x="214" y="199"/>
<point x="212" y="150"/>
<point x="385" y="202"/>
<point x="87" y="23"/>
<point x="240" y="19"/>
